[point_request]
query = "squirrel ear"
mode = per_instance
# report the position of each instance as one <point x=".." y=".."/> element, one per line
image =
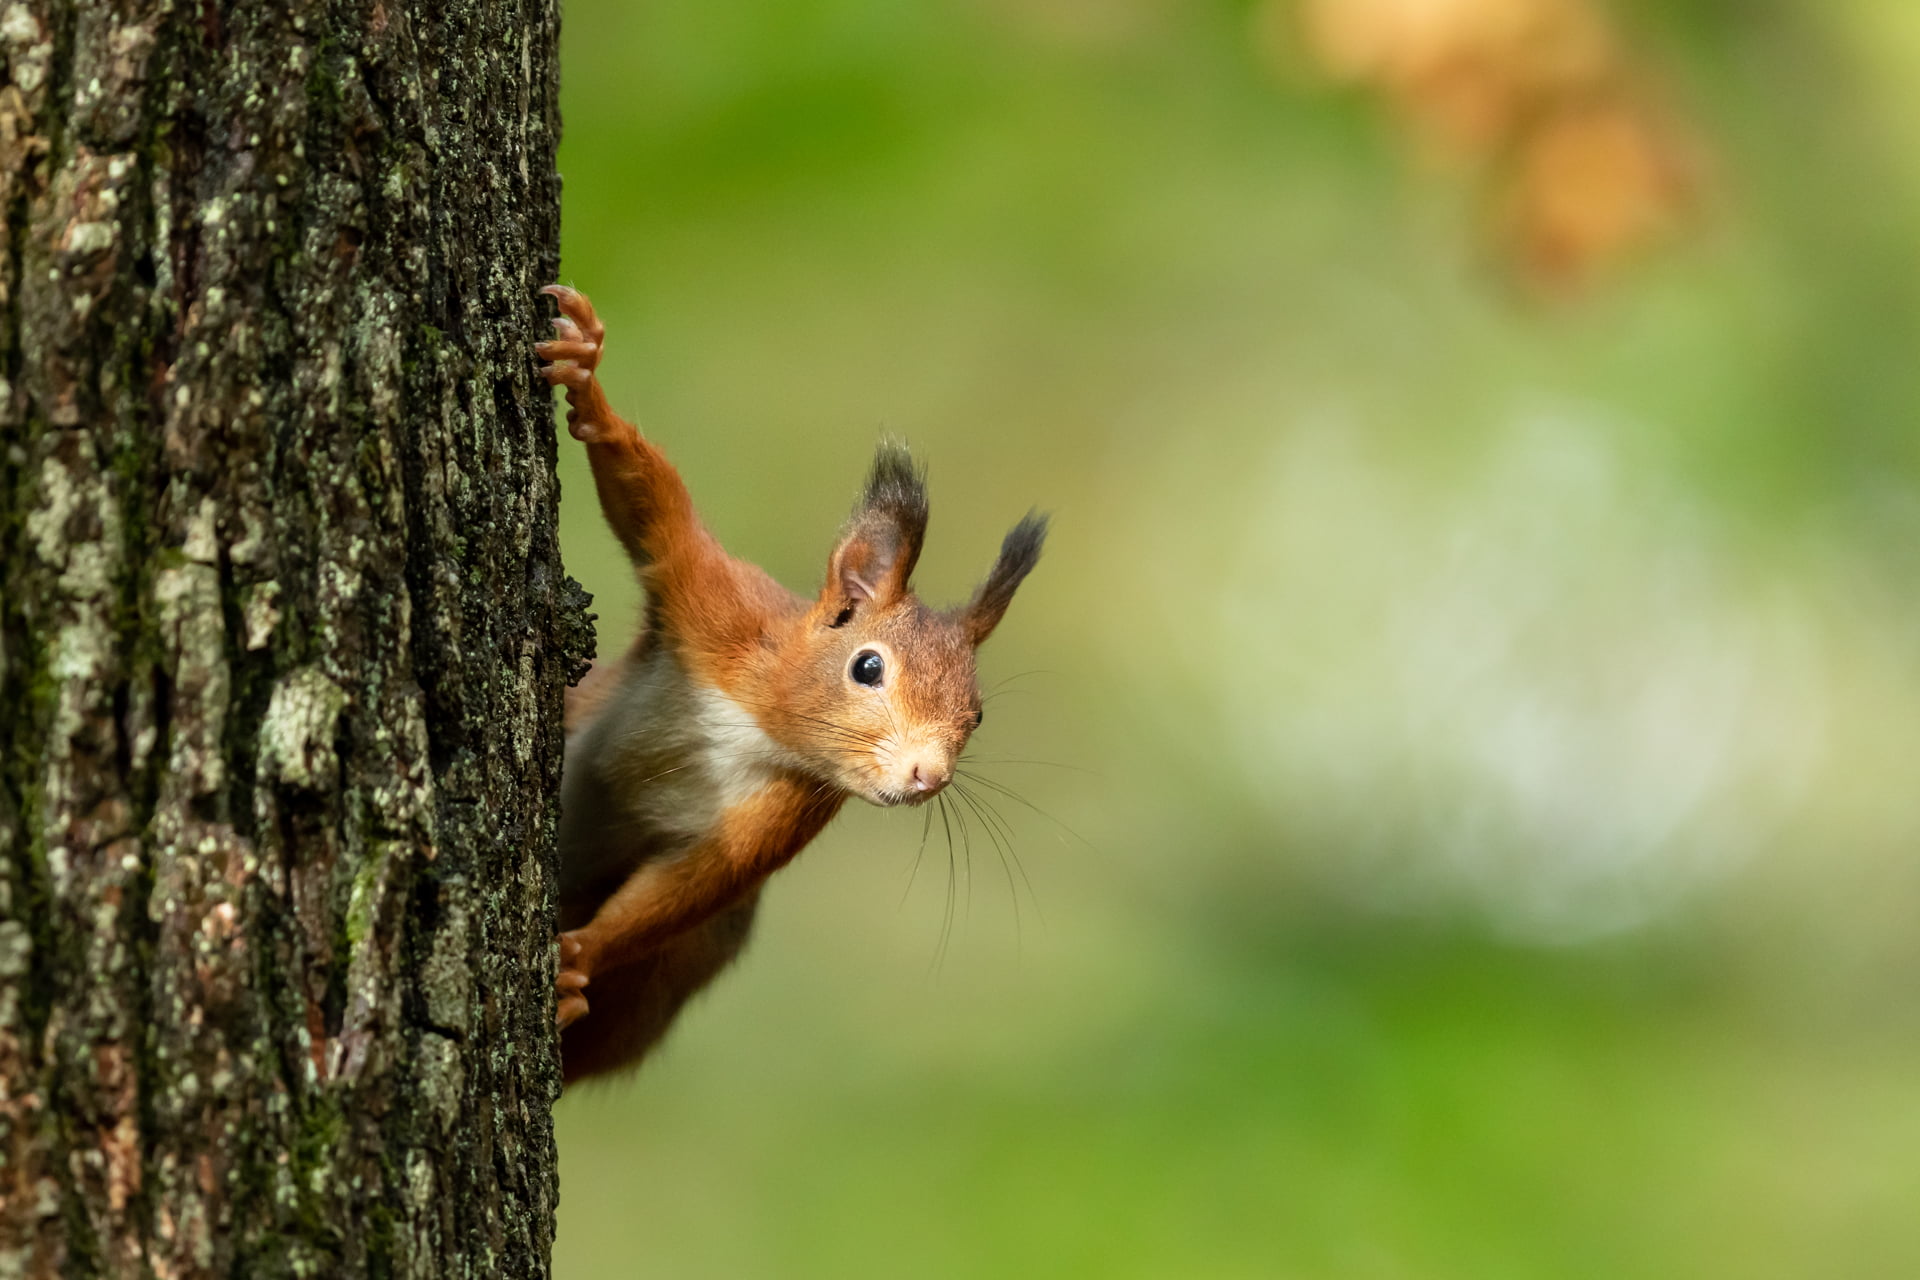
<point x="1019" y="552"/>
<point x="881" y="543"/>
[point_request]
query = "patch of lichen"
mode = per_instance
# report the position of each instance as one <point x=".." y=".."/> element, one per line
<point x="307" y="1235"/>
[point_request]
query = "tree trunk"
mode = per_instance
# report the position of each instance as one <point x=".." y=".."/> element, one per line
<point x="283" y="637"/>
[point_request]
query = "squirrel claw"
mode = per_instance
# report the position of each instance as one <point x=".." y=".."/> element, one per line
<point x="572" y="1005"/>
<point x="570" y="376"/>
<point x="560" y="349"/>
<point x="575" y="306"/>
<point x="572" y="981"/>
<point x="572" y="357"/>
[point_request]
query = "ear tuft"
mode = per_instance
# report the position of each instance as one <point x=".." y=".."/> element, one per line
<point x="897" y="493"/>
<point x="1019" y="553"/>
<point x="881" y="543"/>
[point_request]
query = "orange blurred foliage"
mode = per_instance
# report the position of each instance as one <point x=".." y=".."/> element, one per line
<point x="1583" y="166"/>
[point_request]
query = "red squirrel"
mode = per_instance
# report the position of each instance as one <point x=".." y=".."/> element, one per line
<point x="701" y="760"/>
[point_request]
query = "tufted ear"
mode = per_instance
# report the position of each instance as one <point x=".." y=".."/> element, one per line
<point x="1019" y="552"/>
<point x="881" y="543"/>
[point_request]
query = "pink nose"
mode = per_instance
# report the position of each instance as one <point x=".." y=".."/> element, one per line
<point x="928" y="778"/>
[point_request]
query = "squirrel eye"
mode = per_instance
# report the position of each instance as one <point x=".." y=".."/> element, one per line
<point x="867" y="668"/>
<point x="978" y="716"/>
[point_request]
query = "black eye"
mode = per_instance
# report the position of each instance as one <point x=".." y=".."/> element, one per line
<point x="978" y="716"/>
<point x="867" y="668"/>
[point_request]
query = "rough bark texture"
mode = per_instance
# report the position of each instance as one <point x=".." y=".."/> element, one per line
<point x="283" y="636"/>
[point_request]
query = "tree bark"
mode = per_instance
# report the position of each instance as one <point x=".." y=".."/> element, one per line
<point x="283" y="637"/>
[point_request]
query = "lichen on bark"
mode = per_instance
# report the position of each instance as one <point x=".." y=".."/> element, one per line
<point x="283" y="634"/>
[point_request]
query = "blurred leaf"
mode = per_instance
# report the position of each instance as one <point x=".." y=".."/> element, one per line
<point x="1540" y="101"/>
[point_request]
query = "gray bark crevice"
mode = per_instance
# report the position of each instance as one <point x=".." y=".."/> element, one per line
<point x="283" y="637"/>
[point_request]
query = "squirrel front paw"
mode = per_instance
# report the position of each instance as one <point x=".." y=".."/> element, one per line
<point x="570" y="985"/>
<point x="572" y="358"/>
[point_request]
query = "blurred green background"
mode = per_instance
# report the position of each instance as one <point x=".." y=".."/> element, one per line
<point x="1474" y="821"/>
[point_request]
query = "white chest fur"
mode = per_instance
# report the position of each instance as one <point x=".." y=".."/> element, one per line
<point x="732" y="749"/>
<point x="653" y="772"/>
<point x="656" y="768"/>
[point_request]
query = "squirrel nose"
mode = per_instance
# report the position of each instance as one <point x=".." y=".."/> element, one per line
<point x="930" y="778"/>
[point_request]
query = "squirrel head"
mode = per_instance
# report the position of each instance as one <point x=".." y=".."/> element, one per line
<point x="882" y="692"/>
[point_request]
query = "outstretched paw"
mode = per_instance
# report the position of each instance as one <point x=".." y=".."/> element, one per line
<point x="571" y="984"/>
<point x="575" y="354"/>
<point x="571" y="358"/>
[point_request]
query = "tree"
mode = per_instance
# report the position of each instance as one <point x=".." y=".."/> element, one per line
<point x="283" y="638"/>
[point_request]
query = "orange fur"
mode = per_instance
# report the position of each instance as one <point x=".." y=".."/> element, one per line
<point x="753" y="840"/>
